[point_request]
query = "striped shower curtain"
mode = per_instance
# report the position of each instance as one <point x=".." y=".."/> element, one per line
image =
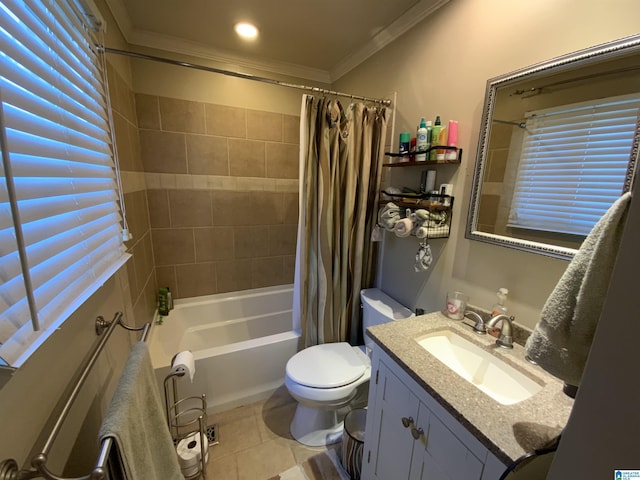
<point x="341" y="151"/>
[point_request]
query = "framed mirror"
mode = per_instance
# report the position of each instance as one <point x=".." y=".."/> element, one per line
<point x="558" y="145"/>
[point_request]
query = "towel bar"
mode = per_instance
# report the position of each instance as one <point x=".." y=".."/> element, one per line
<point x="9" y="467"/>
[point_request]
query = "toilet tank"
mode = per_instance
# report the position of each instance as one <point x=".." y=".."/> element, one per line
<point x="378" y="308"/>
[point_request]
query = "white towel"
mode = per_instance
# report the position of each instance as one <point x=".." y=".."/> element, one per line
<point x="403" y="227"/>
<point x="562" y="338"/>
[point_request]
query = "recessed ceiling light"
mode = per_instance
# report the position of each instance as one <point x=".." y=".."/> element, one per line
<point x="246" y="30"/>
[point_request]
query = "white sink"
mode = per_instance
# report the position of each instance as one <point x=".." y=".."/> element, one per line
<point x="479" y="367"/>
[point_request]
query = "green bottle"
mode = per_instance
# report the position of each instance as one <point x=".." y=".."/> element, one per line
<point x="435" y="138"/>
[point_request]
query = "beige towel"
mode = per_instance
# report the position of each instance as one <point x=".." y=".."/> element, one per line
<point x="136" y="421"/>
<point x="562" y="338"/>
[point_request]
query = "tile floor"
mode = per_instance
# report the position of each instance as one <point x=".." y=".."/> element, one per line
<point x="255" y="443"/>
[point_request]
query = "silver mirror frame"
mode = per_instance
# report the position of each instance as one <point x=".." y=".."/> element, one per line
<point x="605" y="51"/>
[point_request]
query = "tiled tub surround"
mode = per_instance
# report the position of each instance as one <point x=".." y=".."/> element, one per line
<point x="508" y="431"/>
<point x="222" y="193"/>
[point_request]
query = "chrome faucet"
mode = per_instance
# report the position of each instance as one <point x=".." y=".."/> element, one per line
<point x="480" y="328"/>
<point x="505" y="340"/>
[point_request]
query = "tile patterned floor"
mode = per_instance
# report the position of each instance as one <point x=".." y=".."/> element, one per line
<point x="255" y="443"/>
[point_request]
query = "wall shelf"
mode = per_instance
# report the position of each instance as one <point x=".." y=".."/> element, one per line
<point x="412" y="161"/>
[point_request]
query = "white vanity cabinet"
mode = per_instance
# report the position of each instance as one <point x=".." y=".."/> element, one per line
<point x="411" y="436"/>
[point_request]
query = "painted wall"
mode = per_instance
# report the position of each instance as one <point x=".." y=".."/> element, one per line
<point x="440" y="67"/>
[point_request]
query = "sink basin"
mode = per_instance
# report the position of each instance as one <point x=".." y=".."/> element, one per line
<point x="500" y="381"/>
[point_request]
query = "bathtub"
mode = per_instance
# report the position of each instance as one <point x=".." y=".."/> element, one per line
<point x="241" y="342"/>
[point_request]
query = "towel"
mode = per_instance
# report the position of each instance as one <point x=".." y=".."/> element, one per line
<point x="136" y="421"/>
<point x="388" y="216"/>
<point x="561" y="340"/>
<point x="403" y="227"/>
<point x="423" y="258"/>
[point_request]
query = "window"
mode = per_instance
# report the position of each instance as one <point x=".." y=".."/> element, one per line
<point x="60" y="230"/>
<point x="574" y="164"/>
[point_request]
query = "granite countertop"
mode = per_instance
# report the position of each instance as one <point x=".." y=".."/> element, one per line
<point x="508" y="431"/>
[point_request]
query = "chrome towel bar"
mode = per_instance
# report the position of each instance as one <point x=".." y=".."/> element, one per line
<point x="9" y="468"/>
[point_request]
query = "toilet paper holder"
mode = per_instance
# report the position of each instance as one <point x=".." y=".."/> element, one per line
<point x="186" y="417"/>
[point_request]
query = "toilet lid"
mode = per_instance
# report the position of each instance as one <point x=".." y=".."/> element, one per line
<point x="328" y="365"/>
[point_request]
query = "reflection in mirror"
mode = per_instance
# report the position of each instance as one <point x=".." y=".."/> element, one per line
<point x="557" y="147"/>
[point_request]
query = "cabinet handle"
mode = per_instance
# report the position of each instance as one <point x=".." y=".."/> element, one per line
<point x="416" y="433"/>
<point x="407" y="422"/>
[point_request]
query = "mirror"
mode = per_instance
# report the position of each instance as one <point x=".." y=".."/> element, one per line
<point x="518" y="107"/>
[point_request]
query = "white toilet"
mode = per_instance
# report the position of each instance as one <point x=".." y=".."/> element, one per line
<point x="326" y="379"/>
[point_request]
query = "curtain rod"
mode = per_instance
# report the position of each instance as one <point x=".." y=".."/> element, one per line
<point x="245" y="76"/>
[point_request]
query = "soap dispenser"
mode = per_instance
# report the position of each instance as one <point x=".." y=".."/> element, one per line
<point x="498" y="307"/>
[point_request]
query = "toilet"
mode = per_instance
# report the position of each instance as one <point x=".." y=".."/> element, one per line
<point x="327" y="380"/>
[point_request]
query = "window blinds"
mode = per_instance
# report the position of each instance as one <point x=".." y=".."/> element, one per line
<point x="573" y="165"/>
<point x="58" y="148"/>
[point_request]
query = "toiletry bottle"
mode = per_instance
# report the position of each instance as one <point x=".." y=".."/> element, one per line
<point x="169" y="300"/>
<point x="442" y="140"/>
<point x="435" y="137"/>
<point x="163" y="306"/>
<point x="421" y="141"/>
<point x="499" y="308"/>
<point x="405" y="139"/>
<point x="452" y="140"/>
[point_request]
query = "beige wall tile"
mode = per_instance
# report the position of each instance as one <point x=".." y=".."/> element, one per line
<point x="196" y="279"/>
<point x="290" y="215"/>
<point x="133" y="283"/>
<point x="148" y="111"/>
<point x="267" y="271"/>
<point x="163" y="152"/>
<point x="181" y="115"/>
<point x="497" y="165"/>
<point x="123" y="143"/>
<point x="136" y="151"/>
<point x="247" y="208"/>
<point x="207" y="155"/>
<point x="282" y="160"/>
<point x="112" y="73"/>
<point x="251" y="241"/>
<point x="137" y="213"/>
<point x="190" y="208"/>
<point x="166" y="277"/>
<point x="246" y="158"/>
<point x="143" y="260"/>
<point x="282" y="239"/>
<point x="126" y="100"/>
<point x="264" y="125"/>
<point x="173" y="246"/>
<point x="291" y="129"/>
<point x="214" y="243"/>
<point x="226" y="121"/>
<point x="233" y="275"/>
<point x="289" y="268"/>
<point x="489" y="210"/>
<point x="158" y="201"/>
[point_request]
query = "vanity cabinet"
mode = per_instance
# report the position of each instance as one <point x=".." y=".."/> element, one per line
<point x="411" y="436"/>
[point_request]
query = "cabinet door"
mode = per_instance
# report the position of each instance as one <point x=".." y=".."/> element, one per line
<point x="445" y="456"/>
<point x="395" y="413"/>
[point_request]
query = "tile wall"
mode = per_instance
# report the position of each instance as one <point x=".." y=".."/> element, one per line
<point x="140" y="268"/>
<point x="222" y="195"/>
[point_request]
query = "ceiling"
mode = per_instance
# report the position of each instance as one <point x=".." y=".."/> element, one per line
<point x="319" y="40"/>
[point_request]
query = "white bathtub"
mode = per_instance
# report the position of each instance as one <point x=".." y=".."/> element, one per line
<point x="241" y="342"/>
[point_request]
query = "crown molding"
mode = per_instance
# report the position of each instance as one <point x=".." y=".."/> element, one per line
<point x="141" y="38"/>
<point x="408" y="20"/>
<point x="119" y="12"/>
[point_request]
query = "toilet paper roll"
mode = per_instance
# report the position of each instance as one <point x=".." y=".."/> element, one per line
<point x="184" y="362"/>
<point x="189" y="453"/>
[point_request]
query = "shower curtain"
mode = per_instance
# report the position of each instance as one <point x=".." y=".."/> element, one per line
<point x="341" y="151"/>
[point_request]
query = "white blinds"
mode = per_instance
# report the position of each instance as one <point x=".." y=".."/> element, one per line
<point x="573" y="164"/>
<point x="59" y="153"/>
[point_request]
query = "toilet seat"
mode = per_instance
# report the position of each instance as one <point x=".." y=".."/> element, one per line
<point x="330" y="365"/>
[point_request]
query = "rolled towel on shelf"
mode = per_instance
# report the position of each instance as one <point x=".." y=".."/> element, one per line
<point x="388" y="216"/>
<point x="403" y="227"/>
